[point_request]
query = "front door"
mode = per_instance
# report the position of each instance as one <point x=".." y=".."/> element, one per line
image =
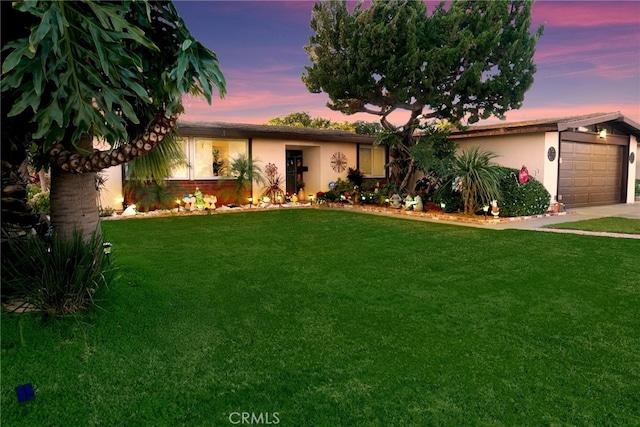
<point x="294" y="170"/>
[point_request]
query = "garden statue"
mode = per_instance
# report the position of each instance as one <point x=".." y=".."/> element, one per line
<point x="210" y="202"/>
<point x="199" y="198"/>
<point x="188" y="201"/>
<point x="418" y="206"/>
<point x="408" y="202"/>
<point x="130" y="211"/>
<point x="395" y="201"/>
<point x="523" y="176"/>
<point x="495" y="210"/>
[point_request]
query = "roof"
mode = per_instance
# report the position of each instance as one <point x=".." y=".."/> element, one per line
<point x="242" y="130"/>
<point x="615" y="119"/>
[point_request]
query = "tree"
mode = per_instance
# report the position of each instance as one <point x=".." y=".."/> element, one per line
<point x="467" y="62"/>
<point x="305" y="120"/>
<point x="113" y="70"/>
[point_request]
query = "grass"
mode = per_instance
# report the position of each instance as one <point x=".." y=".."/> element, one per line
<point x="612" y="224"/>
<point x="331" y="318"/>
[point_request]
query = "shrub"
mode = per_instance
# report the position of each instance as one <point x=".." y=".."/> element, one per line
<point x="518" y="199"/>
<point x="332" y="195"/>
<point x="478" y="176"/>
<point x="40" y="201"/>
<point x="637" y="187"/>
<point x="452" y="199"/>
<point x="355" y="177"/>
<point x="60" y="277"/>
<point x="151" y="195"/>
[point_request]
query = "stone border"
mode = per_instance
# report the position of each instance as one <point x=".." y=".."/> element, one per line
<point x="439" y="215"/>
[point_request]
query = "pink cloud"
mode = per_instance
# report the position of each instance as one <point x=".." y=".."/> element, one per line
<point x="563" y="109"/>
<point x="586" y="13"/>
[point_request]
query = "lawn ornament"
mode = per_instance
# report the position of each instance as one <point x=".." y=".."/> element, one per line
<point x="210" y="201"/>
<point x="495" y="210"/>
<point x="408" y="202"/>
<point x="199" y="199"/>
<point x="130" y="211"/>
<point x="189" y="201"/>
<point x="395" y="201"/>
<point x="418" y="206"/>
<point x="523" y="176"/>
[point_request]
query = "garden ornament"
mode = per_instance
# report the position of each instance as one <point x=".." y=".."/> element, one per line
<point x="210" y="202"/>
<point x="395" y="201"/>
<point x="523" y="176"/>
<point x="418" y="205"/>
<point x="495" y="210"/>
<point x="130" y="211"/>
<point x="408" y="202"/>
<point x="199" y="198"/>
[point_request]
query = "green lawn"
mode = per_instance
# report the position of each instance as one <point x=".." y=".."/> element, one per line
<point x="330" y="318"/>
<point x="611" y="224"/>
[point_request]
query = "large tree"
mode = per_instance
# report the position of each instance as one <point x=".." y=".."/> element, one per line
<point x="464" y="62"/>
<point x="112" y="70"/>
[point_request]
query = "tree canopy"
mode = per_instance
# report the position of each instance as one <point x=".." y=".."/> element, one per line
<point x="103" y="68"/>
<point x="115" y="70"/>
<point x="466" y="62"/>
<point x="304" y="119"/>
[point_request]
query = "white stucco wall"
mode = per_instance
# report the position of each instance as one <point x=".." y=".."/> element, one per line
<point x="316" y="157"/>
<point x="634" y="172"/>
<point x="528" y="150"/>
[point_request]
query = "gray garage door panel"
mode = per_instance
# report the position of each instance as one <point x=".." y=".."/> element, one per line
<point x="590" y="174"/>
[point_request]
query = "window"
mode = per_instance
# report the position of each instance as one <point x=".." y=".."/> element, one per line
<point x="212" y="157"/>
<point x="371" y="160"/>
<point x="208" y="158"/>
<point x="181" y="171"/>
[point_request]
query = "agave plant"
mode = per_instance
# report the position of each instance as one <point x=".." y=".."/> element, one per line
<point x="478" y="176"/>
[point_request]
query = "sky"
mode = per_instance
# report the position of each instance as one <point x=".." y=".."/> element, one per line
<point x="588" y="60"/>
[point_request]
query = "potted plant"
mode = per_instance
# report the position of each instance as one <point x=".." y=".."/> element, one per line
<point x="218" y="164"/>
<point x="301" y="194"/>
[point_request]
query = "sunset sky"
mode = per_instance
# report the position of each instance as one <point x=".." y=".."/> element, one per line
<point x="588" y="60"/>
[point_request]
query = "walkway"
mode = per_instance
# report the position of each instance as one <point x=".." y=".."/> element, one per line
<point x="578" y="214"/>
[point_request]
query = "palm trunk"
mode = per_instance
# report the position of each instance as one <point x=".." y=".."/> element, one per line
<point x="73" y="201"/>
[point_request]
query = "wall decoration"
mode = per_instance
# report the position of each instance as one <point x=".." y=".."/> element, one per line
<point x="551" y="154"/>
<point x="632" y="158"/>
<point x="338" y="162"/>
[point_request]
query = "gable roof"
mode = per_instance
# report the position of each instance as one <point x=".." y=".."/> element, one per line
<point x="242" y="130"/>
<point x="615" y="119"/>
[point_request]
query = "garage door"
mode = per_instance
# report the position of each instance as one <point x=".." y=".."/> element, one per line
<point x="590" y="174"/>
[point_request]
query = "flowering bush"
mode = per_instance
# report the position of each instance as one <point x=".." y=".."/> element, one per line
<point x="518" y="199"/>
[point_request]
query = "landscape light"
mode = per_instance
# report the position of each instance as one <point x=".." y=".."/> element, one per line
<point x="106" y="247"/>
<point x="250" y="202"/>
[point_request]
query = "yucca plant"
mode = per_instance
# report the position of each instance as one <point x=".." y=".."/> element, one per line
<point x="479" y="178"/>
<point x="56" y="277"/>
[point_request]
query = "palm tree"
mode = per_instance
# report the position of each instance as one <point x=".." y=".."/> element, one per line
<point x="247" y="171"/>
<point x="90" y="78"/>
<point x="478" y="176"/>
